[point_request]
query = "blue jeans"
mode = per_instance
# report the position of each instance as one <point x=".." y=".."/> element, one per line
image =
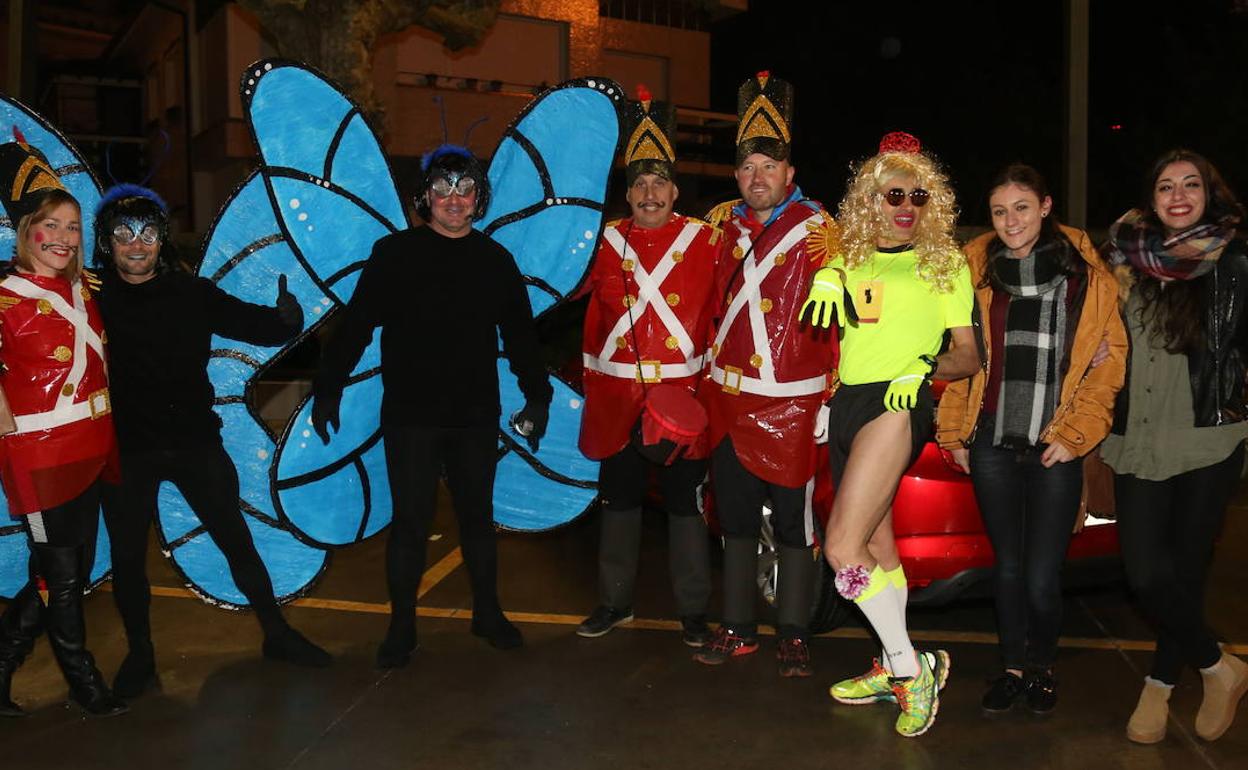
<point x="1029" y="513"/>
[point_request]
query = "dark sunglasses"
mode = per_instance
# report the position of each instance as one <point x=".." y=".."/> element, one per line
<point x="897" y="196"/>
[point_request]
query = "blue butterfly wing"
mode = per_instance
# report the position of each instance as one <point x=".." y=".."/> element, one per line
<point x="548" y="182"/>
<point x="325" y="190"/>
<point x="338" y="493"/>
<point x="64" y="159"/>
<point x="535" y="493"/>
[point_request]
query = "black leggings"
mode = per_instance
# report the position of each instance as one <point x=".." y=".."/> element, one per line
<point x="622" y="481"/>
<point x="415" y="459"/>
<point x="1029" y="512"/>
<point x="739" y="498"/>
<point x="1167" y="530"/>
<point x="206" y="477"/>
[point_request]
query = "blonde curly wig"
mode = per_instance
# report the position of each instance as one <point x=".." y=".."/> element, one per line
<point x="938" y="258"/>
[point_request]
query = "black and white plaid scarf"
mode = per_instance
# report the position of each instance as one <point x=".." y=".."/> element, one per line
<point x="1035" y="327"/>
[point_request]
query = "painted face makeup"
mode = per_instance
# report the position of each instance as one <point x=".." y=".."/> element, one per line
<point x="54" y="241"/>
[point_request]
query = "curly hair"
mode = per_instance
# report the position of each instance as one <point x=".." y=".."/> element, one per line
<point x="938" y="258"/>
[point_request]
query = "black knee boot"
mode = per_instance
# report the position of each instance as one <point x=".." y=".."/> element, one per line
<point x="689" y="560"/>
<point x="67" y="631"/>
<point x="19" y="627"/>
<point x="740" y="585"/>
<point x="795" y="591"/>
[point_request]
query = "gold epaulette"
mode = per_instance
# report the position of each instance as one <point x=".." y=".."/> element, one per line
<point x="715" y="231"/>
<point x="7" y="302"/>
<point x="614" y="223"/>
<point x="721" y="212"/>
<point x="823" y="239"/>
<point x="91" y="279"/>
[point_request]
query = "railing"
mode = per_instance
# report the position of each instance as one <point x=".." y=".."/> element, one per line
<point x="680" y="14"/>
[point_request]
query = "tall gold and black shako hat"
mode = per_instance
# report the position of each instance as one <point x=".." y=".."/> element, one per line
<point x="25" y="178"/>
<point x="650" y="126"/>
<point x="765" y="110"/>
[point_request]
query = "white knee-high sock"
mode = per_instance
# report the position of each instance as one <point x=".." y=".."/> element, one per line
<point x="884" y="607"/>
<point x="897" y="579"/>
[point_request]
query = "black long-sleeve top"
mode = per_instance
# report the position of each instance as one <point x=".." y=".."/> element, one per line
<point x="159" y="336"/>
<point x="441" y="304"/>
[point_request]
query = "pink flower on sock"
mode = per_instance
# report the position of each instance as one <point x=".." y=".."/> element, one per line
<point x="852" y="581"/>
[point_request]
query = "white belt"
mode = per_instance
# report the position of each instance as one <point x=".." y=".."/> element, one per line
<point x="97" y="405"/>
<point x="654" y="371"/>
<point x="732" y="381"/>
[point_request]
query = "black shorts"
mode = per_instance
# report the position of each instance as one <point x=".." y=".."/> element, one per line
<point x="853" y="406"/>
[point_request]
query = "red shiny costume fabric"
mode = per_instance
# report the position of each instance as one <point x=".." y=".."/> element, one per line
<point x="667" y="274"/>
<point x="770" y="372"/>
<point x="52" y="346"/>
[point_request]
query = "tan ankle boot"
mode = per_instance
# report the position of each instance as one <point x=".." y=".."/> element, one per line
<point x="1148" y="721"/>
<point x="1225" y="683"/>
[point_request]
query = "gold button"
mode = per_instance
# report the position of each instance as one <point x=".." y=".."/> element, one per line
<point x="728" y="299"/>
<point x="756" y="360"/>
<point x="780" y="258"/>
<point x="672" y="343"/>
<point x="629" y="300"/>
<point x="628" y="265"/>
<point x="678" y="256"/>
<point x="621" y="342"/>
<point x="86" y="293"/>
<point x="68" y="390"/>
<point x="737" y="253"/>
<point x="765" y="305"/>
<point x="62" y="353"/>
<point x="673" y="299"/>
<point x="715" y="349"/>
<point x="103" y="336"/>
<point x="44" y="306"/>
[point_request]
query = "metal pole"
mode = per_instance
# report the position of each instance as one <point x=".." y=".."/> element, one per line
<point x="1076" y="145"/>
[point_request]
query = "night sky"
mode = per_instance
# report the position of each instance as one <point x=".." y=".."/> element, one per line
<point x="984" y="87"/>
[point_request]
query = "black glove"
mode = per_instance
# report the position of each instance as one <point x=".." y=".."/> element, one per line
<point x="287" y="306"/>
<point x="324" y="414"/>
<point x="530" y="422"/>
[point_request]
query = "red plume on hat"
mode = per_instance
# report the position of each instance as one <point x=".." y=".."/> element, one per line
<point x="900" y="141"/>
<point x="643" y="95"/>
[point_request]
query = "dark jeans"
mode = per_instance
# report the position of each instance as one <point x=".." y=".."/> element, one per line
<point x="1166" y="530"/>
<point x="415" y="459"/>
<point x="1029" y="513"/>
<point x="206" y="477"/>
<point x="623" y="476"/>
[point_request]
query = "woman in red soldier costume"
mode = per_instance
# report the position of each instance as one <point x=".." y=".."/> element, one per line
<point x="59" y="440"/>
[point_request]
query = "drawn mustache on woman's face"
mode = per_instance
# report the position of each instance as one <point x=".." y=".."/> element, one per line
<point x="73" y="250"/>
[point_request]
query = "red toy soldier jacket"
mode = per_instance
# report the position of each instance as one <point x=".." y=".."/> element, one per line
<point x="649" y="302"/>
<point x="52" y="345"/>
<point x="770" y="372"/>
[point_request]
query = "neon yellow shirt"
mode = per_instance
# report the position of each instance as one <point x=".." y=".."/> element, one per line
<point x="912" y="321"/>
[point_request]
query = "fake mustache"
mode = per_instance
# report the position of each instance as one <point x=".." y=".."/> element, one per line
<point x="73" y="250"/>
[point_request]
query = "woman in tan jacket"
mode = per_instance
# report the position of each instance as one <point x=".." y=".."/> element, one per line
<point x="1021" y="425"/>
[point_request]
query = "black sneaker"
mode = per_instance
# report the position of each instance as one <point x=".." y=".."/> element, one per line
<point x="794" y="657"/>
<point x="1004" y="691"/>
<point x="602" y="620"/>
<point x="694" y="631"/>
<point x="1041" y="692"/>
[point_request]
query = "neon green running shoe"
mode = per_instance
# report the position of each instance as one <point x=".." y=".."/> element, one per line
<point x="871" y="687"/>
<point x="919" y="696"/>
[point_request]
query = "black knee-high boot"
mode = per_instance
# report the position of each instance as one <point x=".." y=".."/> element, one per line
<point x="740" y="586"/>
<point x="795" y="591"/>
<point x="19" y="627"/>
<point x="67" y="631"/>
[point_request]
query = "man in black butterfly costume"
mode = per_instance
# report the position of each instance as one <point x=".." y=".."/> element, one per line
<point x="442" y="294"/>
<point x="160" y="320"/>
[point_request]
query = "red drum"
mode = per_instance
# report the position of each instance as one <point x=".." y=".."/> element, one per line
<point x="672" y="420"/>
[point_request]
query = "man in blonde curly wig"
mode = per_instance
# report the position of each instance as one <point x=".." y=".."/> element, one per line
<point x="911" y="290"/>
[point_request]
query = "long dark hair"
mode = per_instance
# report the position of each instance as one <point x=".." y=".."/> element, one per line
<point x="1029" y="178"/>
<point x="1175" y="317"/>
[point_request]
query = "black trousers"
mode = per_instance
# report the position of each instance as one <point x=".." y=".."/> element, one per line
<point x="206" y="477"/>
<point x="72" y="523"/>
<point x="416" y="457"/>
<point x="623" y="476"/>
<point x="1166" y="530"/>
<point x="739" y="498"/>
<point x="1029" y="512"/>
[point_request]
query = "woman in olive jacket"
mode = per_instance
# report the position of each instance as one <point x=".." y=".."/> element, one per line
<point x="1177" y="442"/>
<point x="1022" y="424"/>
